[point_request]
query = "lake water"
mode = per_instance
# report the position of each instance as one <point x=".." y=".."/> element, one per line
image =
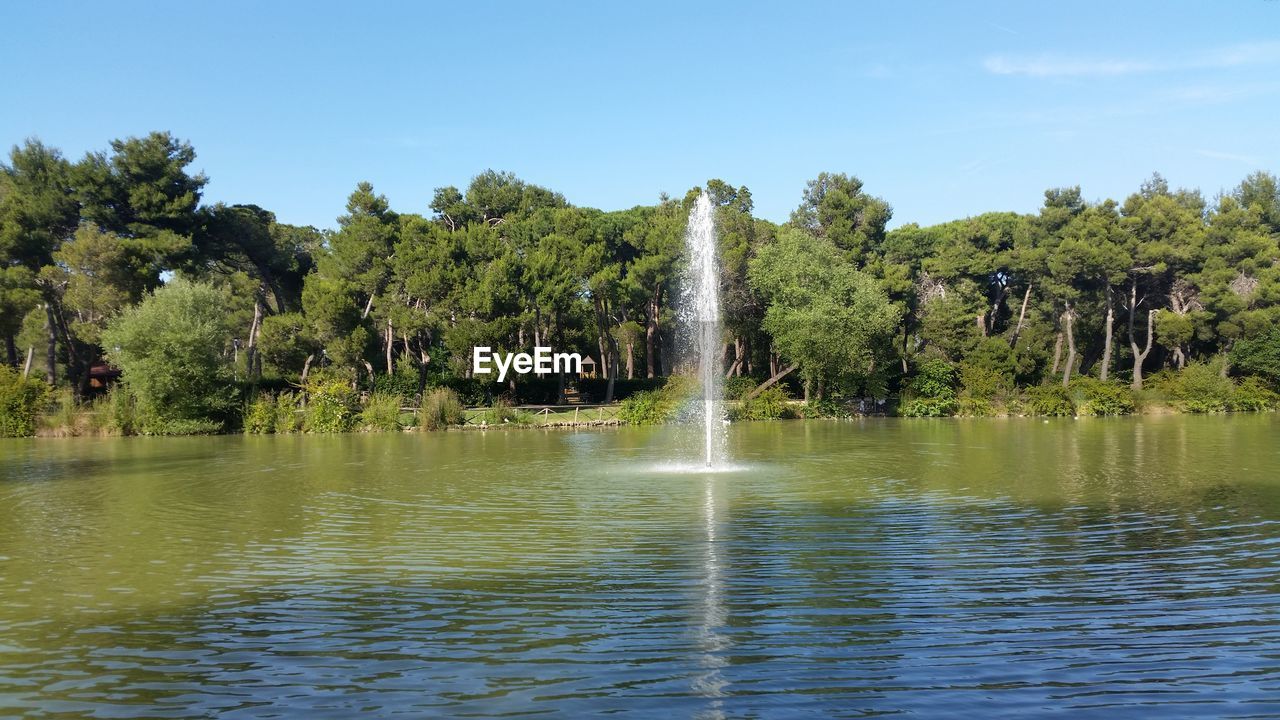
<point x="986" y="568"/>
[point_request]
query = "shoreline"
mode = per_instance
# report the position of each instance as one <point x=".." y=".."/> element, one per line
<point x="1162" y="411"/>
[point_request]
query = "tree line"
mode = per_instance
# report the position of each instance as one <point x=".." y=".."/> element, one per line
<point x="830" y="304"/>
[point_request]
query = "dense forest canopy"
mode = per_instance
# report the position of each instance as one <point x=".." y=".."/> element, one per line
<point x="1114" y="289"/>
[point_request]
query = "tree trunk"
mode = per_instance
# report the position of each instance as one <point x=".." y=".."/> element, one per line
<point x="251" y="351"/>
<point x="989" y="317"/>
<point x="306" y="367"/>
<point x="1106" y="347"/>
<point x="1069" y="318"/>
<point x="651" y="332"/>
<point x="773" y="379"/>
<point x="391" y="341"/>
<point x="560" y="373"/>
<point x="631" y="356"/>
<point x="51" y="356"/>
<point x="1057" y="353"/>
<point x="1022" y="315"/>
<point x="1139" y="355"/>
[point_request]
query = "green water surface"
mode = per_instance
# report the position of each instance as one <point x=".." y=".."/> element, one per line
<point x="989" y="568"/>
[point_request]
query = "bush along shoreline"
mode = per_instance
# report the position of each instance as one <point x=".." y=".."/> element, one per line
<point x="327" y="403"/>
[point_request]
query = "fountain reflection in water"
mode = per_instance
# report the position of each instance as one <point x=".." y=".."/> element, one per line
<point x="701" y="325"/>
<point x="711" y="683"/>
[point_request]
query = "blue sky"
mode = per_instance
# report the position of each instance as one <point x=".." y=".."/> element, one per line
<point x="945" y="111"/>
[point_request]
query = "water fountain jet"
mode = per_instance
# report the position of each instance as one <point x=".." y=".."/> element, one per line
<point x="701" y="318"/>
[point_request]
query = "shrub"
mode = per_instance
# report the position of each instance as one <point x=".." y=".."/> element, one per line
<point x="1260" y="356"/>
<point x="169" y="348"/>
<point x="402" y="381"/>
<point x="260" y="415"/>
<point x="21" y="402"/>
<point x="826" y="408"/>
<point x="932" y="391"/>
<point x="287" y="418"/>
<point x="1252" y="395"/>
<point x="61" y="417"/>
<point x="928" y="407"/>
<point x="1095" y="397"/>
<point x="501" y="412"/>
<point x="331" y="404"/>
<point x="1051" y="400"/>
<point x="440" y="409"/>
<point x="974" y="407"/>
<point x="984" y="383"/>
<point x="935" y="379"/>
<point x="1200" y="388"/>
<point x="770" y="404"/>
<point x="738" y="386"/>
<point x="648" y="407"/>
<point x="381" y="412"/>
<point x="651" y="407"/>
<point x="595" y="389"/>
<point x="470" y="391"/>
<point x="120" y="410"/>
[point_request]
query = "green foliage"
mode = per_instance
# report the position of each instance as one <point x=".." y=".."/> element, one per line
<point x="1051" y="400"/>
<point x="981" y="382"/>
<point x="738" y="386"/>
<point x="470" y="391"/>
<point x="330" y="404"/>
<point x="501" y="261"/>
<point x="967" y="406"/>
<point x="381" y="412"/>
<point x="403" y="381"/>
<point x="170" y="351"/>
<point x="287" y="417"/>
<point x="928" y="407"/>
<point x="284" y="344"/>
<point x="1199" y="388"/>
<point x="502" y="412"/>
<point x="935" y="378"/>
<point x="1095" y="397"/>
<point x="21" y="402"/>
<point x="770" y="404"/>
<point x="440" y="409"/>
<point x="824" y="314"/>
<point x="932" y="391"/>
<point x="1260" y="356"/>
<point x="260" y="415"/>
<point x="1252" y="395"/>
<point x="647" y="407"/>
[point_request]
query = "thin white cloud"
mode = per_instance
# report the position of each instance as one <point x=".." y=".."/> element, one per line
<point x="1058" y="66"/>
<point x="1002" y="28"/>
<point x="1242" y="159"/>
<point x="1048" y="65"/>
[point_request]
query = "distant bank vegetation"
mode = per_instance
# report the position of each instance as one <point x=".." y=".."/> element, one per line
<point x="129" y="306"/>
